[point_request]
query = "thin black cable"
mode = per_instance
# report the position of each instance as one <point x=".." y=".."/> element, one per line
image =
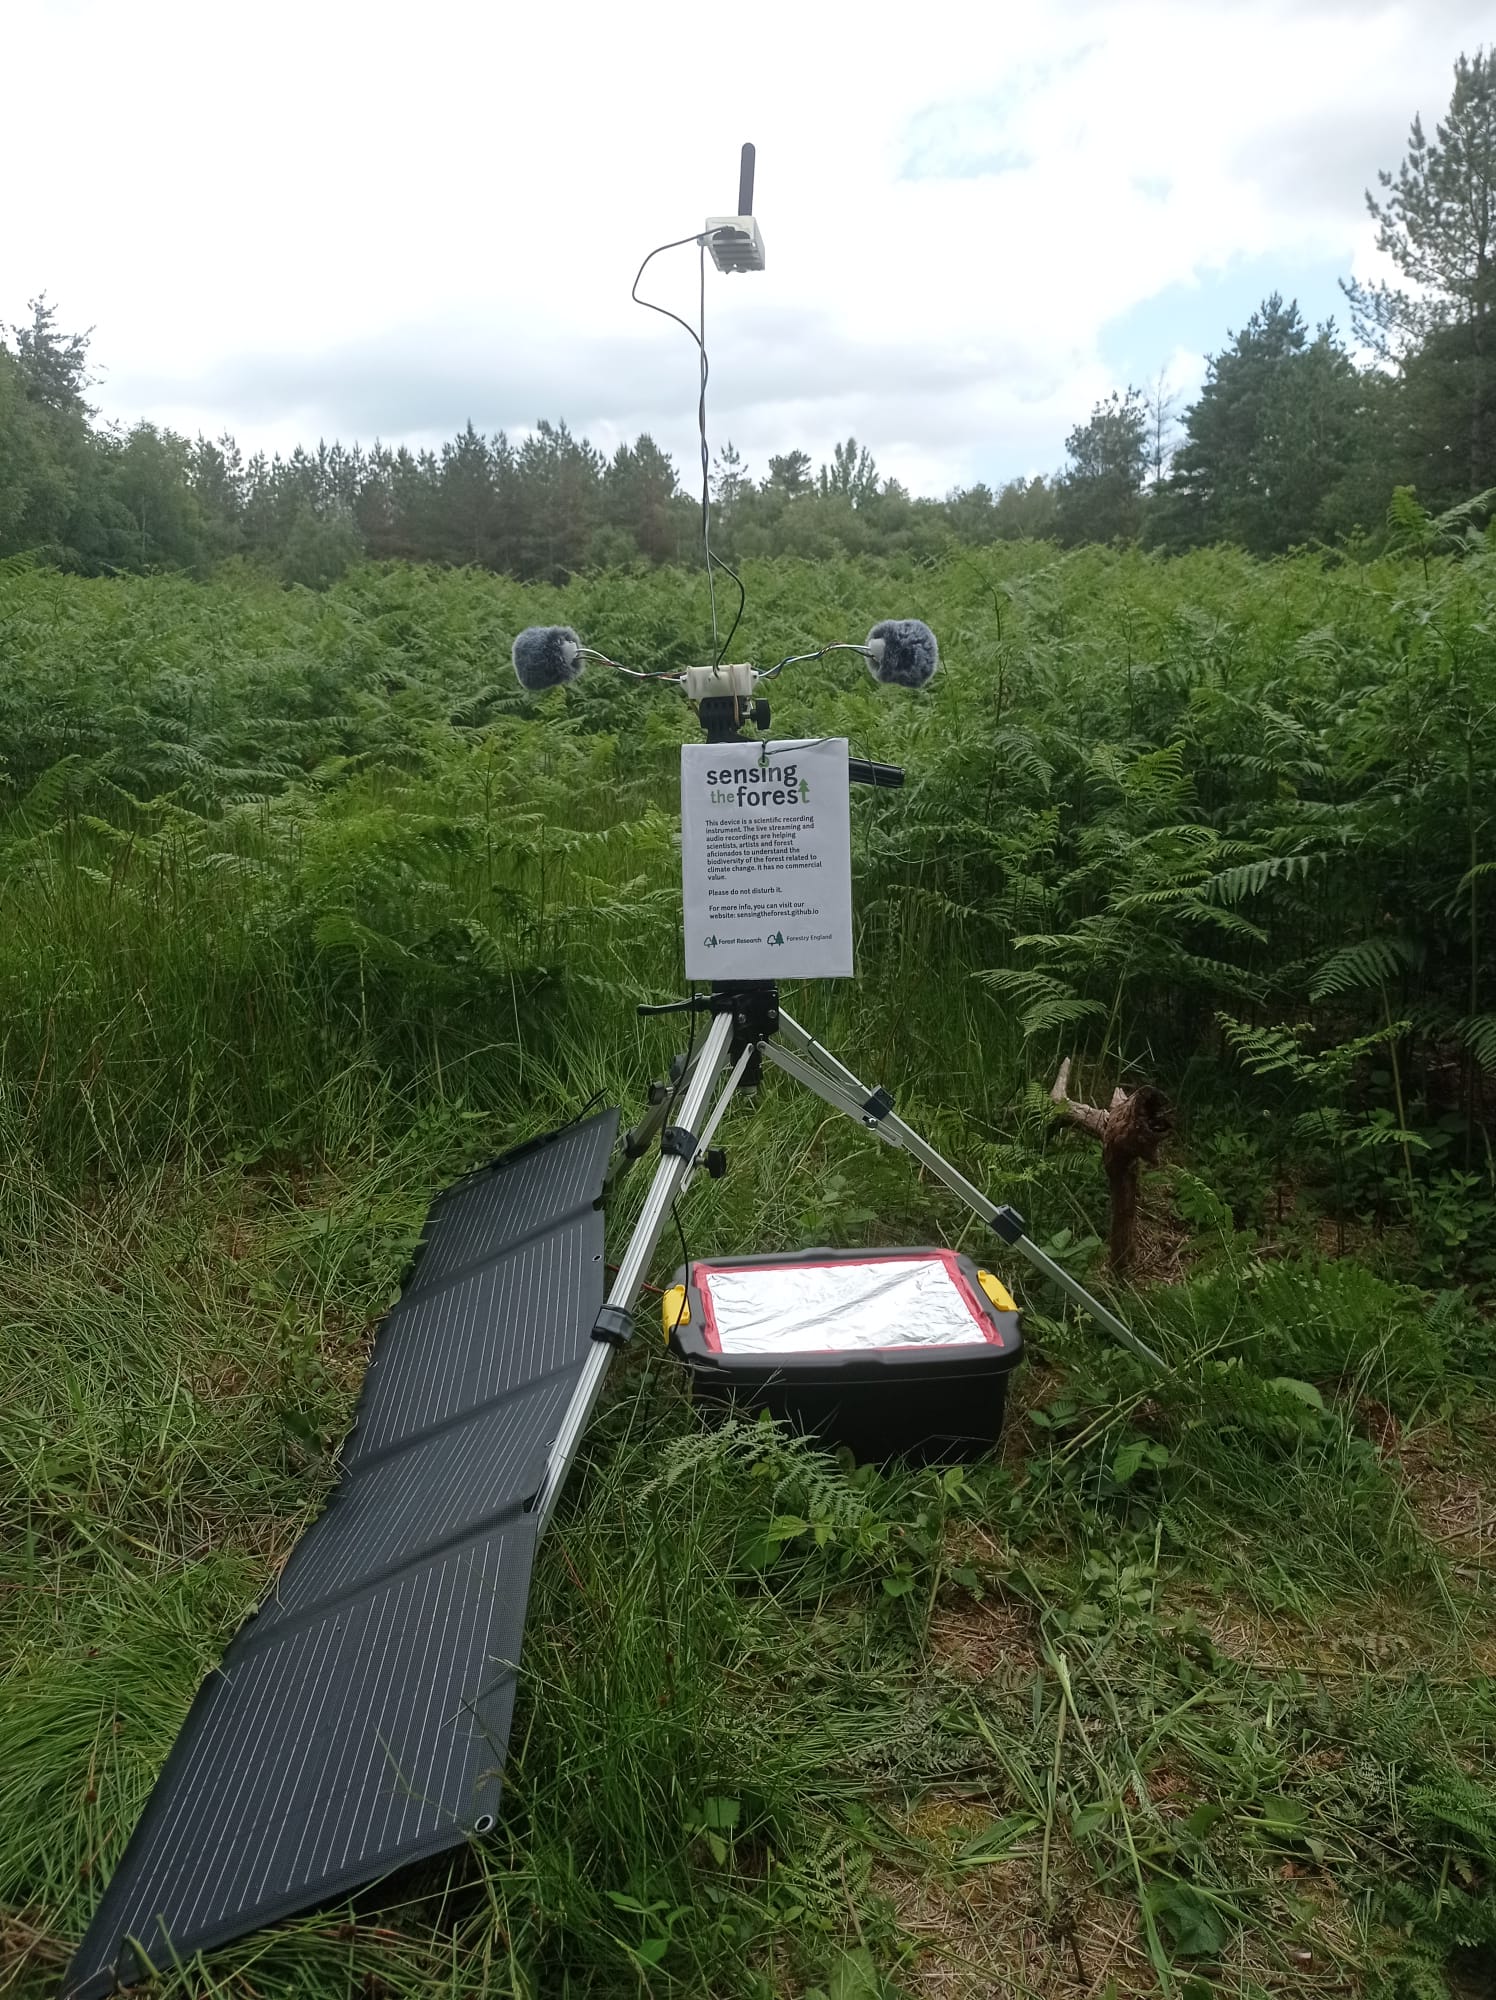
<point x="706" y="507"/>
<point x="658" y="250"/>
<point x="684" y="1311"/>
<point x="713" y="562"/>
<point x="595" y="1098"/>
<point x="685" y="1068"/>
<point x="742" y="601"/>
<point x="680" y="1084"/>
<point x="706" y="463"/>
<point x="712" y="559"/>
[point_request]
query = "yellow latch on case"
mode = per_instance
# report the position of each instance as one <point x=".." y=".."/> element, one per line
<point x="995" y="1289"/>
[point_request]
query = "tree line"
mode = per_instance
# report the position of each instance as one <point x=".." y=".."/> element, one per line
<point x="1294" y="439"/>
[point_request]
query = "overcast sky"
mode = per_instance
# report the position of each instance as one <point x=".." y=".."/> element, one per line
<point x="307" y="218"/>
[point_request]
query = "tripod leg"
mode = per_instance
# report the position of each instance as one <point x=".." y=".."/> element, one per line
<point x="613" y="1319"/>
<point x="835" y="1084"/>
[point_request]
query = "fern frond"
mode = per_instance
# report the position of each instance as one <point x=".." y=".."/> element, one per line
<point x="1232" y="884"/>
<point x="1455" y="1813"/>
<point x="1058" y="1013"/>
<point x="1023" y="984"/>
<point x="1371" y="962"/>
<point x="1405" y="514"/>
<point x="60" y="785"/>
<point x="1265" y="1051"/>
<point x="340" y="933"/>
<point x="1478" y="1033"/>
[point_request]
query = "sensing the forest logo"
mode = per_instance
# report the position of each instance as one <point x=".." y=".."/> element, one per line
<point x="760" y="785"/>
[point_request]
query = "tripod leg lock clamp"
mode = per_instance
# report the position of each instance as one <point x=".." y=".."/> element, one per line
<point x="1009" y="1225"/>
<point x="676" y="1140"/>
<point x="878" y="1106"/>
<point x="615" y="1325"/>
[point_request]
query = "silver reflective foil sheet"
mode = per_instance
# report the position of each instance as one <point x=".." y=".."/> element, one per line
<point x="793" y="1309"/>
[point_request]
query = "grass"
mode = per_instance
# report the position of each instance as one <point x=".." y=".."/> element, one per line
<point x="1186" y="1690"/>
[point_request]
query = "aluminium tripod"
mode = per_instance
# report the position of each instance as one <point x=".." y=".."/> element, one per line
<point x="746" y="1019"/>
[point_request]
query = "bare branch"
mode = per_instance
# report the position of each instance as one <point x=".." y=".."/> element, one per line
<point x="1085" y="1116"/>
<point x="1131" y="1131"/>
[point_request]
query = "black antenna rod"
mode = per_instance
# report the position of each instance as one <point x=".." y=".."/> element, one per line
<point x="745" y="181"/>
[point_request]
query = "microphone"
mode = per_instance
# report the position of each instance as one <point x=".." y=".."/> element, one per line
<point x="547" y="656"/>
<point x="902" y="651"/>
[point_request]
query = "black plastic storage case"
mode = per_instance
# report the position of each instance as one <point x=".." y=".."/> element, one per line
<point x="913" y="1383"/>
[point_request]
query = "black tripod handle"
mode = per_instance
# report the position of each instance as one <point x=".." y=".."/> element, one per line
<point x="861" y="772"/>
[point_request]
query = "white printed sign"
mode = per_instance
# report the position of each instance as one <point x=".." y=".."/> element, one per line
<point x="766" y="841"/>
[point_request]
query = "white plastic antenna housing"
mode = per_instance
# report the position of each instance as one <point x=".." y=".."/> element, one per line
<point x="735" y="243"/>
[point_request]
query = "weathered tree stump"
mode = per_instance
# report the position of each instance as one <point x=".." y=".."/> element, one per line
<point x="1130" y="1132"/>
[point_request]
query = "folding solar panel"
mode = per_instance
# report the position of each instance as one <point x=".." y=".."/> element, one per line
<point x="360" y="1717"/>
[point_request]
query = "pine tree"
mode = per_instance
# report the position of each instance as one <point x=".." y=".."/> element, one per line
<point x="639" y="494"/>
<point x="852" y="473"/>
<point x="1101" y="491"/>
<point x="54" y="366"/>
<point x="467" y="500"/>
<point x="1437" y="222"/>
<point x="789" y="474"/>
<point x="1278" y="420"/>
<point x="216" y="477"/>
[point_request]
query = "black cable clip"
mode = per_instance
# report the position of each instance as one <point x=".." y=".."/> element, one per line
<point x="614" y="1325"/>
<point x="1009" y="1225"/>
<point x="878" y="1106"/>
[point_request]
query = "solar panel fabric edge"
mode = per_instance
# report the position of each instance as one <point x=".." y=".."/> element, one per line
<point x="358" y="1720"/>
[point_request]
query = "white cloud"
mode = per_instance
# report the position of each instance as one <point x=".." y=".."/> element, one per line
<point x="325" y="218"/>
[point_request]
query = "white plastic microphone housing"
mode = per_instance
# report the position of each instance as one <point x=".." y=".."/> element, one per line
<point x="735" y="243"/>
<point x="698" y="683"/>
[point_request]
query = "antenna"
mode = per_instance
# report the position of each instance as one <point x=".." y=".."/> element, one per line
<point x="734" y="240"/>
